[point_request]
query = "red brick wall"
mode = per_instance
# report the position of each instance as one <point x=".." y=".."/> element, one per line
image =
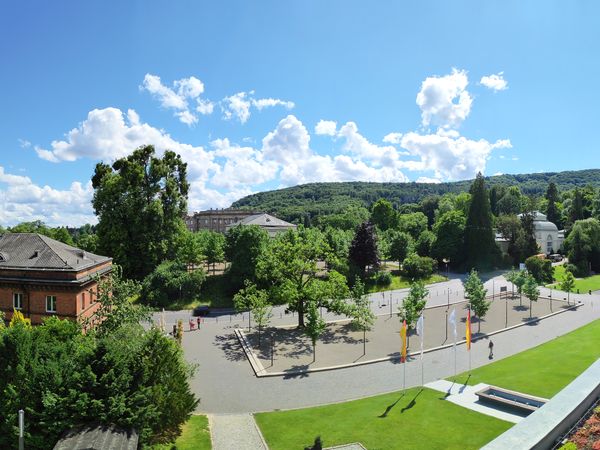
<point x="76" y="302"/>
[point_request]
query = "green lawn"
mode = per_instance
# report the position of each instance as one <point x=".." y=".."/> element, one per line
<point x="546" y="369"/>
<point x="195" y="435"/>
<point x="399" y="282"/>
<point x="583" y="284"/>
<point x="415" y="419"/>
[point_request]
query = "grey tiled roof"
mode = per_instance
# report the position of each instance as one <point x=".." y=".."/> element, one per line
<point x="265" y="220"/>
<point x="35" y="251"/>
<point x="98" y="437"/>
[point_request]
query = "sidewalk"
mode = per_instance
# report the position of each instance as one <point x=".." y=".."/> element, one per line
<point x="235" y="431"/>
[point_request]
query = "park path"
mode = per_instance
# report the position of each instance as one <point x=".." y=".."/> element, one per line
<point x="235" y="431"/>
<point x="225" y="382"/>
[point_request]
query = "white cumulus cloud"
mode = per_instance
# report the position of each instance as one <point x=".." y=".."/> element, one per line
<point x="326" y="128"/>
<point x="178" y="97"/>
<point x="495" y="82"/>
<point x="238" y="106"/>
<point x="450" y="157"/>
<point x="445" y="101"/>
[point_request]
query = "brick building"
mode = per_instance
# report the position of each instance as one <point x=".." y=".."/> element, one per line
<point x="216" y="219"/>
<point x="42" y="277"/>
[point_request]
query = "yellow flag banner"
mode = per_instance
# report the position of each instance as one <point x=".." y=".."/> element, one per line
<point x="468" y="332"/>
<point x="403" y="335"/>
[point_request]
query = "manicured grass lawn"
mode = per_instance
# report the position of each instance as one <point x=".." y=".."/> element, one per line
<point x="415" y="419"/>
<point x="546" y="369"/>
<point x="583" y="284"/>
<point x="399" y="282"/>
<point x="195" y="435"/>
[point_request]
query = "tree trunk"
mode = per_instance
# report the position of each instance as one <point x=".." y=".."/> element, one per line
<point x="364" y="341"/>
<point x="314" y="351"/>
<point x="530" y="305"/>
<point x="259" y="327"/>
<point x="478" y="324"/>
<point x="301" y="314"/>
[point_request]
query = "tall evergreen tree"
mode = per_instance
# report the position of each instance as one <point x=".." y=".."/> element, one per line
<point x="552" y="212"/>
<point x="363" y="250"/>
<point x="481" y="250"/>
<point x="576" y="212"/>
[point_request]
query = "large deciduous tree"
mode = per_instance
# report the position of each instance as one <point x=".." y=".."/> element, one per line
<point x="140" y="202"/>
<point x="289" y="268"/>
<point x="244" y="244"/>
<point x="480" y="246"/>
<point x="383" y="215"/>
<point x="449" y="232"/>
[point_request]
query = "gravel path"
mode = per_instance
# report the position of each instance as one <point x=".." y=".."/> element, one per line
<point x="235" y="431"/>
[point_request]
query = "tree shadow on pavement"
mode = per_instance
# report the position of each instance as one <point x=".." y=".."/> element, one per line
<point x="299" y="371"/>
<point x="231" y="347"/>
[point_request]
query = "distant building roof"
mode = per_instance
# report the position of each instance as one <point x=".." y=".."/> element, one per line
<point x="265" y="220"/>
<point x="36" y="251"/>
<point x="271" y="224"/>
<point x="541" y="223"/>
<point x="98" y="437"/>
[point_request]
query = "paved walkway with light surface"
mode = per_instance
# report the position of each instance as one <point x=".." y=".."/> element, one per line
<point x="235" y="431"/>
<point x="225" y="382"/>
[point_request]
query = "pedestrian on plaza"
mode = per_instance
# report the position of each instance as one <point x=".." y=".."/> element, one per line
<point x="192" y="324"/>
<point x="174" y="330"/>
<point x="198" y="322"/>
<point x="491" y="347"/>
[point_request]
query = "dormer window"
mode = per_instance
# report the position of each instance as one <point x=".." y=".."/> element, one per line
<point x="3" y="257"/>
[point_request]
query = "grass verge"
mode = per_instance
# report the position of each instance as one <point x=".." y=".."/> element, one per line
<point x="195" y="435"/>
<point x="400" y="282"/>
<point x="583" y="284"/>
<point x="543" y="370"/>
<point x="416" y="419"/>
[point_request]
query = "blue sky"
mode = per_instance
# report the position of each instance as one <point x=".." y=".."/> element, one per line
<point x="259" y="95"/>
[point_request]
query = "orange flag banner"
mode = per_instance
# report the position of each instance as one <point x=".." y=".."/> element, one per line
<point x="403" y="335"/>
<point x="468" y="332"/>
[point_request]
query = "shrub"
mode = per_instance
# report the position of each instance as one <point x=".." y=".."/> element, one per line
<point x="171" y="281"/>
<point x="416" y="267"/>
<point x="383" y="278"/>
<point x="540" y="269"/>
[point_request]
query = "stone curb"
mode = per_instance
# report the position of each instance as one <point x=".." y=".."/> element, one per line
<point x="257" y="367"/>
<point x="260" y="373"/>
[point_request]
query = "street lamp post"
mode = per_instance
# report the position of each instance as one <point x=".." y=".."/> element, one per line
<point x="21" y="429"/>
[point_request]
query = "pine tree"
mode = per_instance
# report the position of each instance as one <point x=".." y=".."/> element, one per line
<point x="576" y="212"/>
<point x="552" y="212"/>
<point x="480" y="245"/>
<point x="363" y="250"/>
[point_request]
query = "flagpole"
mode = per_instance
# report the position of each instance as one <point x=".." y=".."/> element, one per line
<point x="469" y="339"/>
<point x="404" y="380"/>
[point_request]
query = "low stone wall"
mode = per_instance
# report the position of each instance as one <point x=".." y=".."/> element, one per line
<point x="543" y="427"/>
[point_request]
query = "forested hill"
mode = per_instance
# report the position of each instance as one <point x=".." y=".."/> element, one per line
<point x="316" y="199"/>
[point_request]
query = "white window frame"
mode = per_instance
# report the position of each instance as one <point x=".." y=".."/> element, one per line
<point x="17" y="295"/>
<point x="52" y="304"/>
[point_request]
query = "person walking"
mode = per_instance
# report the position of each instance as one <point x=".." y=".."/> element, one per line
<point x="491" y="347"/>
<point x="198" y="322"/>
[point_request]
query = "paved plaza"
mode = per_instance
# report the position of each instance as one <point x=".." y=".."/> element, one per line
<point x="225" y="381"/>
<point x="342" y="344"/>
